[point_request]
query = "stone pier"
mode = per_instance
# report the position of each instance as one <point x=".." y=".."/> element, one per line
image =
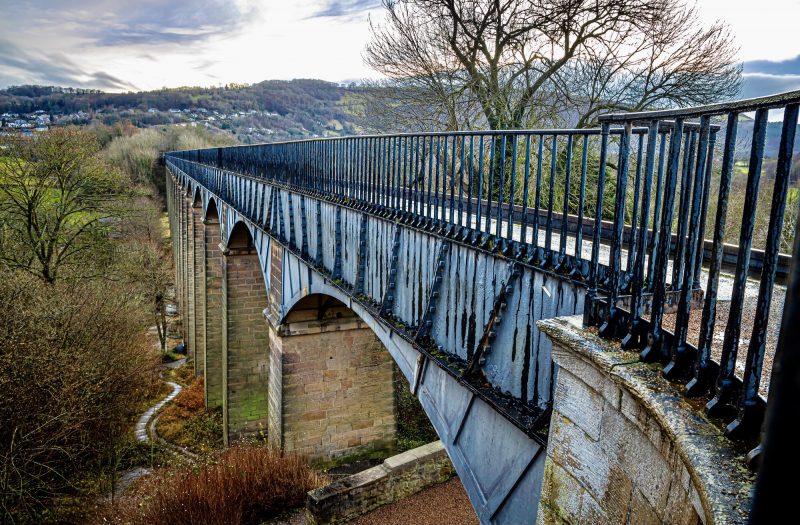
<point x="331" y="390"/>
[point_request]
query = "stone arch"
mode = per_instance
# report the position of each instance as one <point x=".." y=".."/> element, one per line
<point x="404" y="358"/>
<point x="331" y="389"/>
<point x="197" y="196"/>
<point x="240" y="236"/>
<point x="211" y="211"/>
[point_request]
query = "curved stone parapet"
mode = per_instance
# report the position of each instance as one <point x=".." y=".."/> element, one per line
<point x="626" y="446"/>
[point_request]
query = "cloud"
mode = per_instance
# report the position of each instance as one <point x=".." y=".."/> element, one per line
<point x="767" y="77"/>
<point x="760" y="84"/>
<point x="21" y="66"/>
<point x="769" y="67"/>
<point x="124" y="23"/>
<point x="337" y="8"/>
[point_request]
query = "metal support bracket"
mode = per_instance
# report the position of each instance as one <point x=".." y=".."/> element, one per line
<point x="388" y="297"/>
<point x="362" y="255"/>
<point x="433" y="297"/>
<point x="484" y="346"/>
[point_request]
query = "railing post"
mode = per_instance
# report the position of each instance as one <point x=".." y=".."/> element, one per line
<point x="635" y="337"/>
<point x="654" y="350"/>
<point x="610" y="327"/>
<point x="591" y="314"/>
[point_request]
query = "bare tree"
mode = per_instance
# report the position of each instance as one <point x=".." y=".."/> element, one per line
<point x="522" y="63"/>
<point x="57" y="199"/>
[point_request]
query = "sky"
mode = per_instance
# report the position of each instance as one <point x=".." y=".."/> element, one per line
<point x="122" y="45"/>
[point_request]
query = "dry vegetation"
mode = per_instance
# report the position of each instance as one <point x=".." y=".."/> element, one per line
<point x="73" y="366"/>
<point x="84" y="272"/>
<point x="187" y="423"/>
<point x="244" y="485"/>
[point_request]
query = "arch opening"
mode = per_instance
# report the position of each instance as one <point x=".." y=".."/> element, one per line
<point x="197" y="198"/>
<point x="240" y="237"/>
<point x="211" y="212"/>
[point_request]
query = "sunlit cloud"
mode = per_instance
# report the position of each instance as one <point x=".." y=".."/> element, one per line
<point x="120" y="45"/>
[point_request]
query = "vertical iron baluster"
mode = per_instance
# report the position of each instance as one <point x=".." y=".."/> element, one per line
<point x="444" y="184"/>
<point x="405" y="192"/>
<point x="683" y="210"/>
<point x="698" y="264"/>
<point x="525" y="186"/>
<point x="537" y="199"/>
<point x="414" y="176"/>
<point x="469" y="187"/>
<point x="387" y="174"/>
<point x="490" y="191"/>
<point x="460" y="221"/>
<point x="498" y="226"/>
<point x="727" y="387"/>
<point x="590" y="310"/>
<point x="548" y="234"/>
<point x="562" y="248"/>
<point x="429" y="178"/>
<point x="439" y="203"/>
<point x="679" y="360"/>
<point x="582" y="198"/>
<point x="373" y="174"/>
<point x="651" y="263"/>
<point x="637" y="180"/>
<point x="454" y="156"/>
<point x="512" y="189"/>
<point x="635" y="337"/>
<point x="610" y="327"/>
<point x="480" y="189"/>
<point x="654" y="351"/>
<point x="393" y="176"/>
<point x="751" y="409"/>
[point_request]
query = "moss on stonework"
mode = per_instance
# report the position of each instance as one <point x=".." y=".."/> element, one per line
<point x="375" y="450"/>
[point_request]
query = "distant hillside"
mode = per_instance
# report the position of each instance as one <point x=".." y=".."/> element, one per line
<point x="270" y="110"/>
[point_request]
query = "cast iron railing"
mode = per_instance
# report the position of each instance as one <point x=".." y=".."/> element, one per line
<point x="623" y="210"/>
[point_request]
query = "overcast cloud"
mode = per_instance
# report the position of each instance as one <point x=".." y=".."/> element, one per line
<point x="120" y="45"/>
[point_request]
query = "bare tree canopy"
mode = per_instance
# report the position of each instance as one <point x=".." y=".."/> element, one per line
<point x="507" y="64"/>
<point x="57" y="198"/>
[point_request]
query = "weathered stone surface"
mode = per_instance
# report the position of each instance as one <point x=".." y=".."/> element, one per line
<point x="212" y="369"/>
<point x="626" y="447"/>
<point x="245" y="345"/>
<point x="331" y="382"/>
<point x="199" y="278"/>
<point x="399" y="476"/>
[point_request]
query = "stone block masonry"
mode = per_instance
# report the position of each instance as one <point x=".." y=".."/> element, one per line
<point x="199" y="276"/>
<point x="625" y="446"/>
<point x="331" y="391"/>
<point x="398" y="477"/>
<point x="212" y="369"/>
<point x="191" y="284"/>
<point x="245" y="345"/>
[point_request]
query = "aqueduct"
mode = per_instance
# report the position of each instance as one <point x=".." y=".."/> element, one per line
<point x="299" y="265"/>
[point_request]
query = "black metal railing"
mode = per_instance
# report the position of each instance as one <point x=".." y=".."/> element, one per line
<point x="734" y="394"/>
<point x="533" y="195"/>
<point x="626" y="210"/>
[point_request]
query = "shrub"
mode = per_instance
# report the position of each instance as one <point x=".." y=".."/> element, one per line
<point x="73" y="363"/>
<point x="414" y="429"/>
<point x="245" y="485"/>
<point x="186" y="422"/>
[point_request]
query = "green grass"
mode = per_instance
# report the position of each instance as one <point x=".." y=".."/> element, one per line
<point x="413" y="427"/>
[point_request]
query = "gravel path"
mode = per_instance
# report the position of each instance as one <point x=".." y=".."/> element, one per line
<point x="145" y="431"/>
<point x="443" y="504"/>
<point x="141" y="425"/>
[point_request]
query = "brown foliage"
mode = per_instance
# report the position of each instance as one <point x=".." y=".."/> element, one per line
<point x="73" y="364"/>
<point x="246" y="485"/>
<point x="187" y="423"/>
